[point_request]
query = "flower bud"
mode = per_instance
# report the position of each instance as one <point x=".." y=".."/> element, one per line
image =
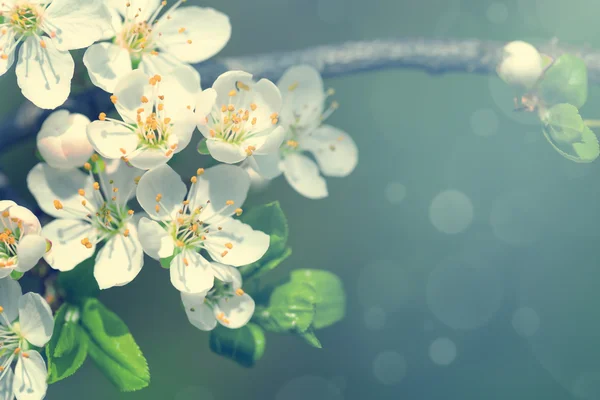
<point x="62" y="140"/>
<point x="521" y="65"/>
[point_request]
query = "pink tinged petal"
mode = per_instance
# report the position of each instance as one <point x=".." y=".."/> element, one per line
<point x="234" y="312"/>
<point x="225" y="152"/>
<point x="48" y="184"/>
<point x="191" y="273"/>
<point x="220" y="184"/>
<point x="247" y="245"/>
<point x="31" y="224"/>
<point x="106" y="63"/>
<point x="77" y="24"/>
<point x="35" y="318"/>
<point x="303" y="175"/>
<point x="129" y="91"/>
<point x="112" y="140"/>
<point x="167" y="183"/>
<point x="44" y="74"/>
<point x="198" y="312"/>
<point x="29" y="251"/>
<point x="335" y="151"/>
<point x="155" y="240"/>
<point x="303" y="94"/>
<point x="120" y="260"/>
<point x="207" y="31"/>
<point x="10" y="293"/>
<point x="30" y="377"/>
<point x="6" y="384"/>
<point x="66" y="235"/>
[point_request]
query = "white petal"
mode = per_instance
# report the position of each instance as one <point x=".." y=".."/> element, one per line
<point x="44" y="75"/>
<point x="220" y="184"/>
<point x="269" y="95"/>
<point x="270" y="143"/>
<point x="227" y="274"/>
<point x="227" y="82"/>
<point x="209" y="31"/>
<point x="6" y="384"/>
<point x="147" y="7"/>
<point x="155" y="240"/>
<point x="335" y="151"/>
<point x="6" y="41"/>
<point x="110" y="139"/>
<point x="225" y="152"/>
<point x="180" y="88"/>
<point x="161" y="63"/>
<point x="123" y="177"/>
<point x="48" y="184"/>
<point x="120" y="260"/>
<point x="35" y="317"/>
<point x="106" y="63"/>
<point x="149" y="158"/>
<point x="4" y="204"/>
<point x="195" y="277"/>
<point x="183" y="129"/>
<point x="31" y="224"/>
<point x="199" y="314"/>
<point x="165" y="181"/>
<point x="129" y="91"/>
<point x="29" y="251"/>
<point x="237" y="311"/>
<point x="204" y="104"/>
<point x="303" y="175"/>
<point x="30" y="377"/>
<point x="6" y="271"/>
<point x="10" y="293"/>
<point x="248" y="245"/>
<point x="303" y="94"/>
<point x="66" y="235"/>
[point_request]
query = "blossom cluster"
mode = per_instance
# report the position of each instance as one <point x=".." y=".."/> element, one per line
<point x="107" y="183"/>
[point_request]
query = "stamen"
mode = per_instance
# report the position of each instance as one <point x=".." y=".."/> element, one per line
<point x="239" y="292"/>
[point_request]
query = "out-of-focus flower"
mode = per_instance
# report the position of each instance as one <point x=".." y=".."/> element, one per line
<point x="521" y="65"/>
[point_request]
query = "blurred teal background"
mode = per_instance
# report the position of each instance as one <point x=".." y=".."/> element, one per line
<point x="467" y="245"/>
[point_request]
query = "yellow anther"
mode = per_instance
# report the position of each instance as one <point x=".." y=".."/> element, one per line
<point x="230" y="107"/>
<point x="274" y="116"/>
<point x="130" y="212"/>
<point x="254" y="121"/>
<point x="223" y="108"/>
<point x="115" y="190"/>
<point x="126" y="233"/>
<point x="4" y="56"/>
<point x="96" y="186"/>
<point x="95" y="157"/>
<point x="43" y="44"/>
<point x="238" y="211"/>
<point x="81" y="192"/>
<point x="154" y="52"/>
<point x="330" y="92"/>
<point x="5" y="214"/>
<point x="157" y="208"/>
<point x="122" y="150"/>
<point x="144" y="99"/>
<point x="83" y="203"/>
<point x="212" y="133"/>
<point x="17" y="350"/>
<point x="292" y="143"/>
<point x="102" y="116"/>
<point x="140" y="110"/>
<point x="114" y="99"/>
<point x="230" y="202"/>
<point x="239" y="292"/>
<point x="87" y="166"/>
<point x="224" y="253"/>
<point x="194" y="228"/>
<point x="335" y="105"/>
<point x="185" y="262"/>
<point x="232" y="93"/>
<point x="169" y="153"/>
<point x="200" y="171"/>
<point x="293" y="86"/>
<point x="229" y="245"/>
<point x="1" y="309"/>
<point x="58" y="205"/>
<point x="274" y="121"/>
<point x="179" y="243"/>
<point x="193" y="179"/>
<point x="158" y="197"/>
<point x="181" y="30"/>
<point x="189" y="41"/>
<point x="253" y="106"/>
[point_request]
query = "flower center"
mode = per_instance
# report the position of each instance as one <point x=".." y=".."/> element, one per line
<point x="9" y="239"/>
<point x="136" y="37"/>
<point x="26" y="18"/>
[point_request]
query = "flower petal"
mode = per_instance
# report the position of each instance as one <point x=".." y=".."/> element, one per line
<point x="191" y="273"/>
<point x="205" y="101"/>
<point x="303" y="175"/>
<point x="5" y="204"/>
<point x="224" y="152"/>
<point x="227" y="274"/>
<point x="219" y="184"/>
<point x="120" y="260"/>
<point x="67" y="251"/>
<point x="35" y="318"/>
<point x="129" y="91"/>
<point x="48" y="184"/>
<point x="207" y="31"/>
<point x="6" y="271"/>
<point x="248" y="245"/>
<point x="6" y="42"/>
<point x="199" y="314"/>
<point x="106" y="63"/>
<point x="123" y="177"/>
<point x="44" y="74"/>
<point x="31" y="224"/>
<point x="335" y="151"/>
<point x="269" y="143"/>
<point x="303" y="95"/>
<point x="149" y="158"/>
<point x="145" y="8"/>
<point x="10" y="293"/>
<point x="180" y="88"/>
<point x="155" y="240"/>
<point x="237" y="311"/>
<point x="6" y="384"/>
<point x="183" y="129"/>
<point x="112" y="140"/>
<point x="30" y="377"/>
<point x="161" y="63"/>
<point x="227" y="82"/>
<point x="29" y="251"/>
<point x="165" y="181"/>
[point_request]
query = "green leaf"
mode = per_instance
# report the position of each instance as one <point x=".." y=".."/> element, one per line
<point x="291" y="309"/>
<point x="245" y="345"/>
<point x="203" y="148"/>
<point x="310" y="338"/>
<point x="331" y="297"/>
<point x="166" y="262"/>
<point x="270" y="219"/>
<point x="39" y="156"/>
<point x="113" y="349"/>
<point x="565" y="81"/>
<point x="98" y="166"/>
<point x="16" y="275"/>
<point x="567" y="133"/>
<point x="79" y="283"/>
<point x="67" y="349"/>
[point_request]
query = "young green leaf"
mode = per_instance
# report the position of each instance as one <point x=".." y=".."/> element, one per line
<point x="67" y="349"/>
<point x="331" y="297"/>
<point x="310" y="338"/>
<point x="203" y="148"/>
<point x="245" y="345"/>
<point x="270" y="219"/>
<point x="98" y="166"/>
<point x="16" y="275"/>
<point x="79" y="283"/>
<point x="565" y="81"/>
<point x="291" y="309"/>
<point x="113" y="349"/>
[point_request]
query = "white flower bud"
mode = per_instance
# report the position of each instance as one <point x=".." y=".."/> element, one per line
<point x="521" y="65"/>
<point x="62" y="140"/>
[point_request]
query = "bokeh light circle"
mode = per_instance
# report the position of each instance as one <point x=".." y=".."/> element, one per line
<point x="451" y="212"/>
<point x="389" y="368"/>
<point x="518" y="218"/>
<point x="375" y="318"/>
<point x="526" y="321"/>
<point x="442" y="351"/>
<point x="395" y="192"/>
<point x="385" y="284"/>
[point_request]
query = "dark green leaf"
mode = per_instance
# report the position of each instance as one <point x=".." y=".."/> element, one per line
<point x="79" y="283"/>
<point x="565" y="81"/>
<point x="331" y="297"/>
<point x="245" y="346"/>
<point x="16" y="275"/>
<point x="113" y="349"/>
<point x="67" y="349"/>
<point x="203" y="148"/>
<point x="310" y="338"/>
<point x="291" y="309"/>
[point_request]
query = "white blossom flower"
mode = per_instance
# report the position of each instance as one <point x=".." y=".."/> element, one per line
<point x="302" y="116"/>
<point x="48" y="29"/>
<point x="25" y="321"/>
<point x="239" y="117"/>
<point x="521" y="65"/>
<point x="62" y="140"/>
<point x="90" y="212"/>
<point x="21" y="242"/>
<point x="184" y="225"/>
<point x="157" y="46"/>
<point x="157" y="118"/>
<point x="227" y="304"/>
